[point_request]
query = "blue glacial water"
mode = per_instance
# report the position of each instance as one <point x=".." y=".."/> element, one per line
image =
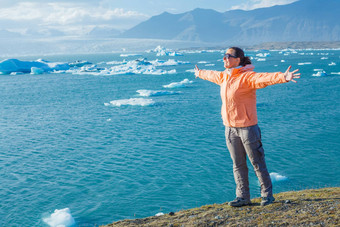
<point x="62" y="147"/>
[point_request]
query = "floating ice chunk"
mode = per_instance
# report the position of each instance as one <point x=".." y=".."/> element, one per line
<point x="14" y="65"/>
<point x="335" y="73"/>
<point x="305" y="63"/>
<point x="79" y="63"/>
<point x="178" y="84"/>
<point x="170" y="62"/>
<point x="261" y="59"/>
<point x="320" y="73"/>
<point x="283" y="61"/>
<point x="60" y="218"/>
<point x="161" y="51"/>
<point x="332" y="64"/>
<point x="131" y="102"/>
<point x="159" y="214"/>
<point x="324" y="58"/>
<point x="175" y="54"/>
<point x="36" y="71"/>
<point x="263" y="55"/>
<point x="148" y="93"/>
<point x="138" y="66"/>
<point x="202" y="62"/>
<point x="275" y="177"/>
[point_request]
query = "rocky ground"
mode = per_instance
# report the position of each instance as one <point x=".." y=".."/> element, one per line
<point x="317" y="207"/>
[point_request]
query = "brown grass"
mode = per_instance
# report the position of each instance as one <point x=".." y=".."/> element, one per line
<point x="317" y="207"/>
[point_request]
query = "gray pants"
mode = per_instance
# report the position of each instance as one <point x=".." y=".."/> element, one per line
<point x="242" y="142"/>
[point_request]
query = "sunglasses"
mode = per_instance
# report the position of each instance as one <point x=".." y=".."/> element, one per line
<point x="227" y="56"/>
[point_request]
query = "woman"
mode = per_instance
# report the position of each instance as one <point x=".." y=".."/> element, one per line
<point x="243" y="136"/>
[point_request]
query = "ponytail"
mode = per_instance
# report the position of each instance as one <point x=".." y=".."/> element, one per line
<point x="244" y="60"/>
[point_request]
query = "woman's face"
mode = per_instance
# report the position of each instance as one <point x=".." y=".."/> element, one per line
<point x="230" y="60"/>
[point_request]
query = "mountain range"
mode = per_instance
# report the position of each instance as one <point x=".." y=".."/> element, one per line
<point x="304" y="20"/>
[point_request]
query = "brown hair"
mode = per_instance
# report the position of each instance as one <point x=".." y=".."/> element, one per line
<point x="244" y="60"/>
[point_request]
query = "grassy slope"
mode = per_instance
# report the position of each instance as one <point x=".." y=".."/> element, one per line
<point x="320" y="207"/>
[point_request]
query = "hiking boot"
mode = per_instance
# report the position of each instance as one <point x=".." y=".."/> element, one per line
<point x="238" y="202"/>
<point x="267" y="200"/>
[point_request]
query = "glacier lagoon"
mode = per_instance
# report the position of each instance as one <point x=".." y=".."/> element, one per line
<point x="130" y="135"/>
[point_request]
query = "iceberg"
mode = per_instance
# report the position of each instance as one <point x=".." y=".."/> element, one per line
<point x="131" y="102"/>
<point x="148" y="93"/>
<point x="138" y="66"/>
<point x="178" y="84"/>
<point x="10" y="66"/>
<point x="305" y="63"/>
<point x="275" y="177"/>
<point x="60" y="218"/>
<point x="170" y="62"/>
<point x="79" y="63"/>
<point x="320" y="73"/>
<point x="263" y="55"/>
<point x="161" y="51"/>
<point x="36" y="71"/>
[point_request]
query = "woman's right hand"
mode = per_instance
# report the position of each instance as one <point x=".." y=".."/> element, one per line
<point x="197" y="71"/>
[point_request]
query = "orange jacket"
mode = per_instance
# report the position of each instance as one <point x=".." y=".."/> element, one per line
<point x="238" y="93"/>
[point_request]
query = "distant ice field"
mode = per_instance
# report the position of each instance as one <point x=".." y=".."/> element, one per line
<point x="91" y="139"/>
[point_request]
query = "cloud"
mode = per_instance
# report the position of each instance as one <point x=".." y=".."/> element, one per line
<point x="56" y="14"/>
<point x="254" y="4"/>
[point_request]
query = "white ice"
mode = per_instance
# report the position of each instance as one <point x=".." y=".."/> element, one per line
<point x="148" y="93"/>
<point x="178" y="84"/>
<point x="275" y="177"/>
<point x="138" y="66"/>
<point x="263" y="55"/>
<point x="159" y="214"/>
<point x="131" y="102"/>
<point x="170" y="62"/>
<point x="9" y="66"/>
<point x="162" y="51"/>
<point x="60" y="218"/>
<point x="305" y="63"/>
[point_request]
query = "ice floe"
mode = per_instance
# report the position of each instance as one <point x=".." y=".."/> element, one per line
<point x="60" y="218"/>
<point x="263" y="55"/>
<point x="162" y="51"/>
<point x="320" y="72"/>
<point x="275" y="177"/>
<point x="305" y="63"/>
<point x="138" y="66"/>
<point x="332" y="64"/>
<point x="169" y="62"/>
<point x="148" y="93"/>
<point x="181" y="84"/>
<point x="131" y="102"/>
<point x="79" y="63"/>
<point x="9" y="66"/>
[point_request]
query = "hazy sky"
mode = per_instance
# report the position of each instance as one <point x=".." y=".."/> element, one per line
<point x="80" y="16"/>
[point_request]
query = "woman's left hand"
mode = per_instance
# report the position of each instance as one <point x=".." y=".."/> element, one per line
<point x="290" y="76"/>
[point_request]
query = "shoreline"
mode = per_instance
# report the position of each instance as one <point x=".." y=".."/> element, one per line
<point x="292" y="208"/>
